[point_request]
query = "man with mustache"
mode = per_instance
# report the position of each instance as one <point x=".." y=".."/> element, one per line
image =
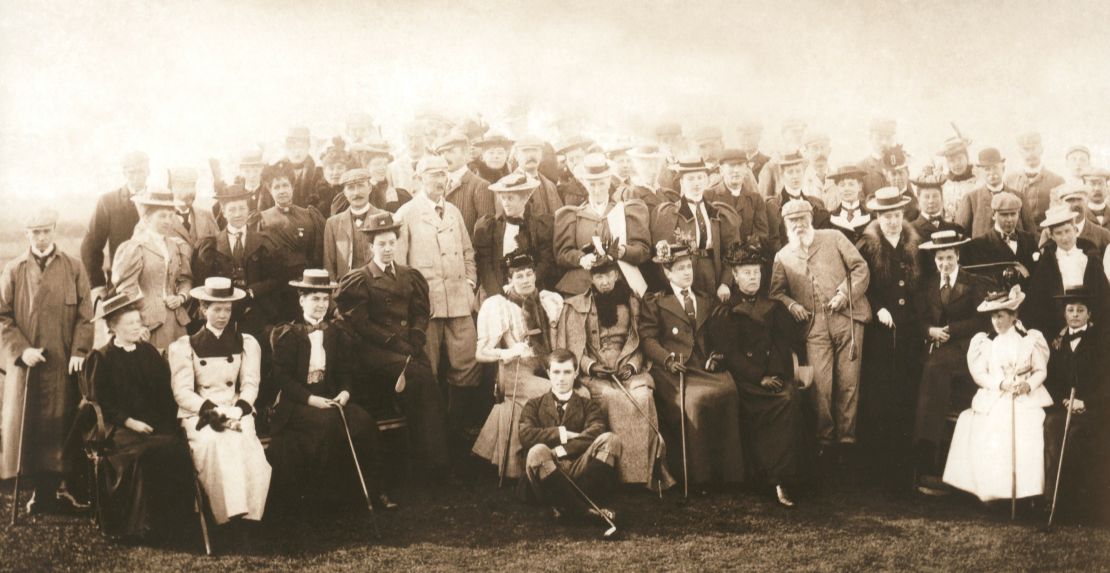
<point x="1035" y="182"/>
<point x="822" y="280"/>
<point x="528" y="154"/>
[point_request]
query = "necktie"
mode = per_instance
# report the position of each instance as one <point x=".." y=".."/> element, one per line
<point x="688" y="304"/>
<point x="40" y="261"/>
<point x="185" y="220"/>
<point x="946" y="289"/>
<point x="701" y="226"/>
<point x="1070" y="336"/>
<point x="359" y="219"/>
<point x="561" y="406"/>
<point x="1008" y="237"/>
<point x="389" y="271"/>
<point x="439" y="211"/>
<point x="237" y="247"/>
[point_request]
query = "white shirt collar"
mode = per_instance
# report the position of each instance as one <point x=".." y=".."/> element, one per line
<point x="1034" y="172"/>
<point x="362" y="211"/>
<point x="678" y="290"/>
<point x="310" y="320"/>
<point x="562" y="397"/>
<point x="998" y="189"/>
<point x="850" y="206"/>
<point x="1096" y="206"/>
<point x="998" y="230"/>
<point x="1077" y="330"/>
<point x="951" y="277"/>
<point x="439" y="203"/>
<point x="118" y="344"/>
<point x="1079" y="224"/>
<point x="232" y="231"/>
<point x="217" y="332"/>
<point x="44" y="254"/>
<point x="793" y="193"/>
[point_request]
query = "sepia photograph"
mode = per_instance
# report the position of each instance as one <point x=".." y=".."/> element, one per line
<point x="554" y="285"/>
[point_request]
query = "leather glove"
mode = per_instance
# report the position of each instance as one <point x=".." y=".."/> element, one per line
<point x="714" y="362"/>
<point x="598" y="370"/>
<point x="627" y="371"/>
<point x="674" y="366"/>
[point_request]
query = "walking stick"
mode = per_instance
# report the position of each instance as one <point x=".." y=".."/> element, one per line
<point x="612" y="526"/>
<point x="358" y="467"/>
<point x="19" y="448"/>
<point x="509" y="434"/>
<point x="1013" y="457"/>
<point x="198" y="497"/>
<point x="1060" y="466"/>
<point x="682" y="409"/>
<point x="655" y="428"/>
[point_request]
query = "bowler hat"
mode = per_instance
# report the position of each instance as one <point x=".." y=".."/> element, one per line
<point x="989" y="156"/>
<point x="314" y="279"/>
<point x="234" y="192"/>
<point x="217" y="289"/>
<point x="850" y="171"/>
<point x="494" y="140"/>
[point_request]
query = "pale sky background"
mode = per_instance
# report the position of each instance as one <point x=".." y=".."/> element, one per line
<point x="84" y="81"/>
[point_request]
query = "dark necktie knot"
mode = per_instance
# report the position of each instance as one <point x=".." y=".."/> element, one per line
<point x="518" y="221"/>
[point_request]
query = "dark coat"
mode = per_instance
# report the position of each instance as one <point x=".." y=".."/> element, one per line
<point x="384" y="311"/>
<point x="959" y="315"/>
<point x="989" y="248"/>
<point x="535" y="237"/>
<point x="751" y="208"/>
<point x="757" y="339"/>
<point x="724" y="225"/>
<point x="1084" y="368"/>
<point x="113" y="222"/>
<point x="777" y="230"/>
<point x="539" y="423"/>
<point x="665" y="329"/>
<point x="571" y="190"/>
<point x="304" y="188"/>
<point x="895" y="273"/>
<point x="259" y="273"/>
<point x="258" y="200"/>
<point x="132" y="384"/>
<point x="838" y="222"/>
<point x="1045" y="313"/>
<point x="473" y="198"/>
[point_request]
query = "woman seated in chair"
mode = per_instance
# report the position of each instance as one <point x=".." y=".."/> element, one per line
<point x="215" y="376"/>
<point x="144" y="480"/>
<point x="314" y="367"/>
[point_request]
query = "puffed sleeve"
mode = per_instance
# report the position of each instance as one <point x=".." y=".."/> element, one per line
<point x="978" y="363"/>
<point x="1038" y="359"/>
<point x="285" y="364"/>
<point x="127" y="267"/>
<point x="492" y="324"/>
<point x="567" y="251"/>
<point x="638" y="248"/>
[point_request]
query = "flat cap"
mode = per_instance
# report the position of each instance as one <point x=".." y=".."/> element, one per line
<point x="1072" y="189"/>
<point x="431" y="164"/>
<point x="733" y="156"/>
<point x="1095" y="173"/>
<point x="1078" y="149"/>
<point x="354" y="176"/>
<point x="796" y="207"/>
<point x="450" y="140"/>
<point x="41" y="218"/>
<point x="1004" y="202"/>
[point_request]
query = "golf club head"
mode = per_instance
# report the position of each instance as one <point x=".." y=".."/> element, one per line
<point x="609" y="533"/>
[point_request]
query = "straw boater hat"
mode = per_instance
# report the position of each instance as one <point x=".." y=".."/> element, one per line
<point x="645" y="152"/>
<point x="217" y="289"/>
<point x="1002" y="300"/>
<point x="113" y="305"/>
<point x="792" y="158"/>
<point x="667" y="253"/>
<point x="1057" y="216"/>
<point x="850" y="171"/>
<point x="573" y="142"/>
<point x="314" y="280"/>
<point x="750" y="253"/>
<point x="943" y="240"/>
<point x="515" y="182"/>
<point x="380" y="223"/>
<point x="154" y="197"/>
<point x="689" y="164"/>
<point x="1071" y="190"/>
<point x="887" y="199"/>
<point x="954" y="145"/>
<point x="593" y="167"/>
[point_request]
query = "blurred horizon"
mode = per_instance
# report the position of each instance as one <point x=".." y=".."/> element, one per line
<point x="85" y="82"/>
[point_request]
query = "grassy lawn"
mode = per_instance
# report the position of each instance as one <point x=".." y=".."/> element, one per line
<point x="471" y="525"/>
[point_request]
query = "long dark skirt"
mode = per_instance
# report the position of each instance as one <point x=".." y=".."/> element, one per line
<point x="311" y="456"/>
<point x="714" y="453"/>
<point x="772" y="432"/>
<point x="145" y="484"/>
<point x="888" y="398"/>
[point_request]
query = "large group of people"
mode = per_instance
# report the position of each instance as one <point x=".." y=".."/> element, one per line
<point x="581" y="316"/>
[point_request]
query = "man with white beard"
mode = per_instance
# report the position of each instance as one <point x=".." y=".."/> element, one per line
<point x="820" y="277"/>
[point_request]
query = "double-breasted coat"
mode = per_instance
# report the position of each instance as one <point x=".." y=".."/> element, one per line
<point x="724" y="230"/>
<point x="749" y="206"/>
<point x="575" y="227"/>
<point x="258" y="272"/>
<point x="49" y="309"/>
<point x="535" y="237"/>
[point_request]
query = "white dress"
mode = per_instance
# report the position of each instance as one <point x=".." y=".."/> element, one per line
<point x="982" y="454"/>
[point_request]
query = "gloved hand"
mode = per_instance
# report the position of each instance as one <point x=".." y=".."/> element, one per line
<point x="599" y="370"/>
<point x="674" y="366"/>
<point x="625" y="372"/>
<point x="713" y="364"/>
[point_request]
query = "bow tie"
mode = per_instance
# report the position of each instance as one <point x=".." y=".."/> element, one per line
<point x="1008" y="237"/>
<point x="518" y="221"/>
<point x="321" y="326"/>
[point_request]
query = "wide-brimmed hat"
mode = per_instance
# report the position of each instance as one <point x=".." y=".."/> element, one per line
<point x="887" y="199"/>
<point x="954" y="145"/>
<point x="850" y="171"/>
<point x="1002" y="300"/>
<point x="593" y="167"/>
<point x="949" y="239"/>
<point x="989" y="157"/>
<point x="41" y="218"/>
<point x="894" y="158"/>
<point x="689" y="164"/>
<point x="380" y="223"/>
<point x="154" y="197"/>
<point x="515" y="182"/>
<point x="667" y="253"/>
<point x="929" y="179"/>
<point x="217" y="289"/>
<point x="1057" y="216"/>
<point x="573" y="142"/>
<point x="234" y="192"/>
<point x="750" y="253"/>
<point x="113" y="305"/>
<point x="314" y="279"/>
<point x="494" y="140"/>
<point x="1004" y="202"/>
